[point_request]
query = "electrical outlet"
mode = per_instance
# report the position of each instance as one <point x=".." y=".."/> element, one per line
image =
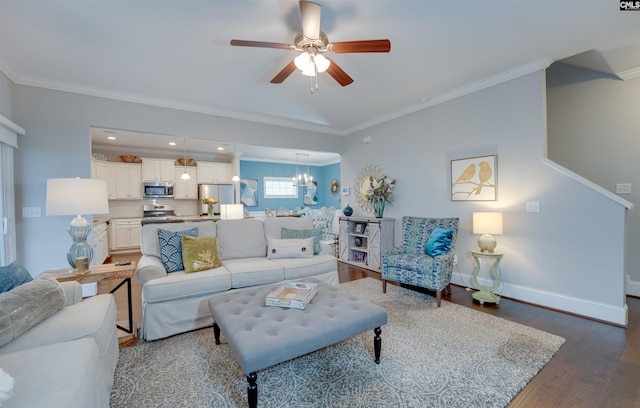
<point x="366" y="139"/>
<point x="28" y="212"/>
<point x="533" y="206"/>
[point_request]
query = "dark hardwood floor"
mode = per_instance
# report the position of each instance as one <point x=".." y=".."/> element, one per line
<point x="598" y="366"/>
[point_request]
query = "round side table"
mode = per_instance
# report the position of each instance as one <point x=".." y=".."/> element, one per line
<point x="485" y="294"/>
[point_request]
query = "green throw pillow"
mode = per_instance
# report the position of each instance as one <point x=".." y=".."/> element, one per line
<point x="13" y="275"/>
<point x="316" y="233"/>
<point x="199" y="253"/>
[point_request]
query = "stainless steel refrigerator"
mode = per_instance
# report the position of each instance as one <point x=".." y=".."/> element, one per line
<point x="224" y="193"/>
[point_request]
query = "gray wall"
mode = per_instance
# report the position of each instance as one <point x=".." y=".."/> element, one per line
<point x="57" y="144"/>
<point x="550" y="257"/>
<point x="6" y="87"/>
<point x="594" y="129"/>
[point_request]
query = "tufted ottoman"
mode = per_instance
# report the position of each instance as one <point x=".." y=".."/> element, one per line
<point x="261" y="336"/>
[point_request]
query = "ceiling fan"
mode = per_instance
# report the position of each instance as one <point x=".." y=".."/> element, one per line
<point x="311" y="44"/>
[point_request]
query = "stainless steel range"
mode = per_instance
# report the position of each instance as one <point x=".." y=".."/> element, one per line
<point x="153" y="213"/>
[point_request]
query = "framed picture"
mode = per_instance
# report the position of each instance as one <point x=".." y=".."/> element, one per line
<point x="358" y="228"/>
<point x="249" y="192"/>
<point x="474" y="179"/>
<point x="310" y="192"/>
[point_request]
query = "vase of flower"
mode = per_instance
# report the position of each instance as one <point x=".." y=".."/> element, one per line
<point x="379" y="193"/>
<point x="378" y="207"/>
<point x="210" y="210"/>
<point x="209" y="202"/>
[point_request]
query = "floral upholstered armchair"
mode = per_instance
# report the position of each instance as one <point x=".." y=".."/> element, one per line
<point x="426" y="256"/>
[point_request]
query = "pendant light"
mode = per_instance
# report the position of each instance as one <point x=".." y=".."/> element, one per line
<point x="185" y="175"/>
<point x="301" y="180"/>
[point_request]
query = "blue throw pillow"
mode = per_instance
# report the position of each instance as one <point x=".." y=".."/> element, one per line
<point x="13" y="275"/>
<point x="316" y="234"/>
<point x="171" y="247"/>
<point x="439" y="242"/>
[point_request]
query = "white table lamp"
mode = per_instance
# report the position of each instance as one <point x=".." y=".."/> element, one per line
<point x="487" y="223"/>
<point x="76" y="196"/>
<point x="231" y="211"/>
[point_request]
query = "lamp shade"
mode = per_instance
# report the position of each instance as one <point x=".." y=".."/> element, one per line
<point x="73" y="196"/>
<point x="231" y="211"/>
<point x="487" y="223"/>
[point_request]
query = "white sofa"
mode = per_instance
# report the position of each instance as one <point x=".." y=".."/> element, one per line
<point x="67" y="359"/>
<point x="176" y="302"/>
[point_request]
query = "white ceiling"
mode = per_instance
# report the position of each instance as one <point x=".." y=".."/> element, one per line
<point x="177" y="53"/>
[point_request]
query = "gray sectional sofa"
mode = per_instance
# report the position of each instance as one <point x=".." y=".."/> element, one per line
<point x="66" y="360"/>
<point x="176" y="302"/>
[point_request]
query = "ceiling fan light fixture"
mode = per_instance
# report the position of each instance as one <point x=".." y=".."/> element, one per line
<point x="322" y="63"/>
<point x="303" y="61"/>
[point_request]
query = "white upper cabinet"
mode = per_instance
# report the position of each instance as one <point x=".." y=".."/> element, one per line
<point x="212" y="173"/>
<point x="158" y="170"/>
<point x="185" y="189"/>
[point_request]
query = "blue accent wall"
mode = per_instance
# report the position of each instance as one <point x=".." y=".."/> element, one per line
<point x="322" y="174"/>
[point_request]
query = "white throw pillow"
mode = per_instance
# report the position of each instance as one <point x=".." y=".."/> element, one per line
<point x="6" y="386"/>
<point x="289" y="248"/>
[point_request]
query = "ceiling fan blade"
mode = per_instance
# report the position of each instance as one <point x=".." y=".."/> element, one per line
<point x="360" y="46"/>
<point x="310" y="15"/>
<point x="284" y="74"/>
<point x="263" y="44"/>
<point x="338" y="74"/>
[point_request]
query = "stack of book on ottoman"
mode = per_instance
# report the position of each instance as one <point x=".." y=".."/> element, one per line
<point x="292" y="294"/>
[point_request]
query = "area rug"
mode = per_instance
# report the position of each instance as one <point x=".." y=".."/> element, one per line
<point x="451" y="356"/>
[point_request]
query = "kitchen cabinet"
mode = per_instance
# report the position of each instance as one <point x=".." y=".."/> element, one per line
<point x="106" y="171"/>
<point x="363" y="239"/>
<point x="125" y="233"/>
<point x="100" y="244"/>
<point x="185" y="189"/>
<point x="128" y="181"/>
<point x="212" y="173"/>
<point x="158" y="170"/>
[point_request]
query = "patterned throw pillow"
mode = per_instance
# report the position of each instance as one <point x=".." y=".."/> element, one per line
<point x="439" y="242"/>
<point x="13" y="275"/>
<point x="200" y="253"/>
<point x="316" y="233"/>
<point x="171" y="247"/>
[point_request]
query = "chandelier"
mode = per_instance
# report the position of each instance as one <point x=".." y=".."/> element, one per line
<point x="301" y="180"/>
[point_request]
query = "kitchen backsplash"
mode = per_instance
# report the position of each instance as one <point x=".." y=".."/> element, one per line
<point x="133" y="208"/>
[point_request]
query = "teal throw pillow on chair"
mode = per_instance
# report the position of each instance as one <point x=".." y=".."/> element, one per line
<point x="13" y="275"/>
<point x="439" y="242"/>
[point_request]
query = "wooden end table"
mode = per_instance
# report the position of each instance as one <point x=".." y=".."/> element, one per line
<point x="100" y="273"/>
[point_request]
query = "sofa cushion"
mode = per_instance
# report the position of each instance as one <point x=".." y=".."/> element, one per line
<point x="439" y="242"/>
<point x="297" y="268"/>
<point x="199" y="254"/>
<point x="93" y="318"/>
<point x="27" y="305"/>
<point x="171" y="247"/>
<point x="58" y="375"/>
<point x="179" y="285"/>
<point x="149" y="236"/>
<point x="289" y="248"/>
<point x="240" y="239"/>
<point x="13" y="275"/>
<point x="253" y="271"/>
<point x="315" y="233"/>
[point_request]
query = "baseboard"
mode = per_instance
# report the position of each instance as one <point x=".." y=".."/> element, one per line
<point x="633" y="287"/>
<point x="557" y="301"/>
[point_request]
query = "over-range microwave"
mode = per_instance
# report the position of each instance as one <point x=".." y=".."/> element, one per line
<point x="153" y="189"/>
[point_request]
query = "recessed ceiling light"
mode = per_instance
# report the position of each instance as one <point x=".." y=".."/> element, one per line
<point x="220" y="148"/>
<point x="172" y="143"/>
<point x="111" y="137"/>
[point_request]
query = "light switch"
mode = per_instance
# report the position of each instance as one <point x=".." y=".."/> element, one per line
<point x="28" y="212"/>
<point x="533" y="206"/>
<point x="623" y="188"/>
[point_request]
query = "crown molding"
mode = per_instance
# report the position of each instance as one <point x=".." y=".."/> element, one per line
<point x="505" y="76"/>
<point x="629" y="74"/>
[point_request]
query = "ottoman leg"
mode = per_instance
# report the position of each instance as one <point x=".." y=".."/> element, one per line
<point x="216" y="332"/>
<point x="377" y="344"/>
<point x="252" y="390"/>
